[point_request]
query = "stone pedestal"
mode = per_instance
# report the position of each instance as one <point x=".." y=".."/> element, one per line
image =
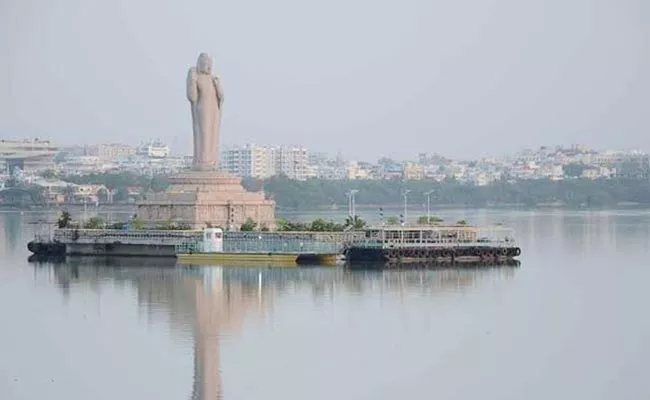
<point x="202" y="198"/>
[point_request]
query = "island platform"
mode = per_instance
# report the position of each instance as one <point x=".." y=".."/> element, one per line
<point x="198" y="247"/>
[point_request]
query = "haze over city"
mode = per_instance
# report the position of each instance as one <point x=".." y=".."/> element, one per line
<point x="367" y="77"/>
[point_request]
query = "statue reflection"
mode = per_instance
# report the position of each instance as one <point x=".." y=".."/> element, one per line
<point x="219" y="309"/>
<point x="209" y="303"/>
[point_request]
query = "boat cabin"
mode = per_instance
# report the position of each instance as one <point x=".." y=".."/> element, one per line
<point x="431" y="235"/>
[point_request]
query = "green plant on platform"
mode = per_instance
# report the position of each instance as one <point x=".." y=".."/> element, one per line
<point x="137" y="223"/>
<point x="424" y="220"/>
<point x="392" y="220"/>
<point x="248" y="225"/>
<point x="94" y="223"/>
<point x="64" y="221"/>
<point x="167" y="224"/>
<point x="355" y="223"/>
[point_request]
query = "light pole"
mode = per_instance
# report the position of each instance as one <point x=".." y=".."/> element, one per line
<point x="351" y="202"/>
<point x="428" y="194"/>
<point x="405" y="194"/>
<point x="85" y="210"/>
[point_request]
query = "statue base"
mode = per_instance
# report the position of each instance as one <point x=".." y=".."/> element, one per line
<point x="202" y="198"/>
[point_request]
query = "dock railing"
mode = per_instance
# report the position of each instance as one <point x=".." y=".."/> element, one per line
<point x="451" y="236"/>
<point x="132" y="236"/>
<point x="276" y="242"/>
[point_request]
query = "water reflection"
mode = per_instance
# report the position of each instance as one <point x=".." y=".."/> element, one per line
<point x="210" y="303"/>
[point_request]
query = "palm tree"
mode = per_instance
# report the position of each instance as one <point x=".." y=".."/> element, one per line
<point x="355" y="223"/>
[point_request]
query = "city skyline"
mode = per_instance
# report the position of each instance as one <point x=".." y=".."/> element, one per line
<point x="439" y="78"/>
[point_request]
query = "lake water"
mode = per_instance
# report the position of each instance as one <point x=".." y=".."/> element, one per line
<point x="570" y="323"/>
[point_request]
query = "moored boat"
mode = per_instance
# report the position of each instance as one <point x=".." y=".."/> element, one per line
<point x="433" y="244"/>
<point x="255" y="249"/>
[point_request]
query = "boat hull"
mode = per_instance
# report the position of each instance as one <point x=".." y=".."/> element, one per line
<point x="437" y="254"/>
<point x="257" y="259"/>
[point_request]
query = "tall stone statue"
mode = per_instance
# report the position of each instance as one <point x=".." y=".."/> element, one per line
<point x="205" y="94"/>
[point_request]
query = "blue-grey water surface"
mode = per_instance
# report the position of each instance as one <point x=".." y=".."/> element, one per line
<point x="570" y="323"/>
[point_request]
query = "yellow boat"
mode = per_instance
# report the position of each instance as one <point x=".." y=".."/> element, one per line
<point x="210" y="251"/>
<point x="257" y="259"/>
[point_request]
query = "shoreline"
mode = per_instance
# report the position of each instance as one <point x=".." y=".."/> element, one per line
<point x="413" y="207"/>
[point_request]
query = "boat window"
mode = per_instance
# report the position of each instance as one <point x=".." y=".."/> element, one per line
<point x="217" y="235"/>
<point x="392" y="235"/>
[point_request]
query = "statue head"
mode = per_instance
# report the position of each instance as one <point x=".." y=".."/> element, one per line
<point x="204" y="64"/>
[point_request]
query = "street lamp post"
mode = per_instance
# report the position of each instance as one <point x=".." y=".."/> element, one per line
<point x="428" y="194"/>
<point x="405" y="194"/>
<point x="85" y="210"/>
<point x="351" y="202"/>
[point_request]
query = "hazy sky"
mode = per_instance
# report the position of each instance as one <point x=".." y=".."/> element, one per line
<point x="370" y="77"/>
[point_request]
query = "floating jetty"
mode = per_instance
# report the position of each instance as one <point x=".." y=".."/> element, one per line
<point x="277" y="248"/>
<point x="197" y="247"/>
<point x="421" y="246"/>
<point x="432" y="245"/>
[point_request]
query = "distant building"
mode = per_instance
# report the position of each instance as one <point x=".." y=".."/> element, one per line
<point x="153" y="149"/>
<point x="250" y="160"/>
<point x="291" y="161"/>
<point x="262" y="162"/>
<point x="413" y="171"/>
<point x="110" y="151"/>
<point x="30" y="155"/>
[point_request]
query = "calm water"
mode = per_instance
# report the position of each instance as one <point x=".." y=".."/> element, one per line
<point x="570" y="323"/>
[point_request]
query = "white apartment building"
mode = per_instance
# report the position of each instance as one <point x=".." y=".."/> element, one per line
<point x="292" y="161"/>
<point x="262" y="162"/>
<point x="250" y="160"/>
<point x="110" y="151"/>
<point x="153" y="150"/>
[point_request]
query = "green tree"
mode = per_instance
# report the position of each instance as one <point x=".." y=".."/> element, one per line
<point x="168" y="224"/>
<point x="248" y="225"/>
<point x="137" y="223"/>
<point x="37" y="193"/>
<point x="573" y="170"/>
<point x="461" y="222"/>
<point x="355" y="223"/>
<point x="392" y="220"/>
<point x="49" y="174"/>
<point x="64" y="221"/>
<point x="424" y="220"/>
<point x="94" y="223"/>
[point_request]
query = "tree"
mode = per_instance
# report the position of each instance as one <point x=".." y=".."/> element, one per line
<point x="64" y="221"/>
<point x="355" y="223"/>
<point x="248" y="225"/>
<point x="392" y="220"/>
<point x="49" y="174"/>
<point x="137" y="223"/>
<point x="94" y="223"/>
<point x="37" y="193"/>
<point x="102" y="195"/>
<point x="167" y="224"/>
<point x="573" y="170"/>
<point x="461" y="222"/>
<point x="424" y="220"/>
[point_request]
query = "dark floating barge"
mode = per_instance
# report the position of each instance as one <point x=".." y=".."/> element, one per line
<point x="432" y="245"/>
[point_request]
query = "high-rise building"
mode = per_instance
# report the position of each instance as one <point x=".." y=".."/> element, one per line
<point x="250" y="160"/>
<point x="263" y="162"/>
<point x="292" y="161"/>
